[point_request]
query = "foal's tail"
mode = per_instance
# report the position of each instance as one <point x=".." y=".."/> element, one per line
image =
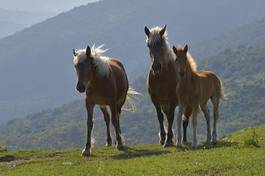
<point x="132" y="97"/>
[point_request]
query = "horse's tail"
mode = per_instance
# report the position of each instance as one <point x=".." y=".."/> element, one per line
<point x="132" y="97"/>
<point x="221" y="93"/>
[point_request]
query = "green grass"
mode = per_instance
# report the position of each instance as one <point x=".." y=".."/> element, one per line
<point x="230" y="157"/>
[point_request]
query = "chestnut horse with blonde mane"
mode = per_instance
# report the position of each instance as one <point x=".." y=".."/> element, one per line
<point x="194" y="90"/>
<point x="162" y="82"/>
<point x="105" y="83"/>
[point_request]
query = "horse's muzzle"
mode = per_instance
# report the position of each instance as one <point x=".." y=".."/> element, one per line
<point x="80" y="88"/>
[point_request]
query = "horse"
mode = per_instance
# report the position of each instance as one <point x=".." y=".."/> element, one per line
<point x="194" y="90"/>
<point x="162" y="82"/>
<point x="105" y="83"/>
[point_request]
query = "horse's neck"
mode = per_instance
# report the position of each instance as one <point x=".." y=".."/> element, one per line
<point x="188" y="82"/>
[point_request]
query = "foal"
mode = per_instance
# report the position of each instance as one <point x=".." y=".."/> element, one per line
<point x="105" y="83"/>
<point x="193" y="91"/>
<point x="162" y="81"/>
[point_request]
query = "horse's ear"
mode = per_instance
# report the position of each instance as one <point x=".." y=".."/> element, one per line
<point x="147" y="31"/>
<point x="88" y="51"/>
<point x="175" y="49"/>
<point x="74" y="52"/>
<point x="162" y="32"/>
<point x="186" y="48"/>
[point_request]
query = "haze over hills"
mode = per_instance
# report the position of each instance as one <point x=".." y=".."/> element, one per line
<point x="12" y="21"/>
<point x="55" y="6"/>
<point x="36" y="63"/>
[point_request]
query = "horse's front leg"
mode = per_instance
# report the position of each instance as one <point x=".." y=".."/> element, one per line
<point x="179" y="120"/>
<point x="160" y="116"/>
<point x="194" y="126"/>
<point x="170" y="119"/>
<point x="185" y="123"/>
<point x="90" y="107"/>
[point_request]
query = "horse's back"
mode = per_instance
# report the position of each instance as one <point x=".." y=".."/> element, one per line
<point x="211" y="82"/>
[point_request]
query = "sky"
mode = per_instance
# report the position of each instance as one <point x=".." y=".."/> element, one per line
<point x="54" y="6"/>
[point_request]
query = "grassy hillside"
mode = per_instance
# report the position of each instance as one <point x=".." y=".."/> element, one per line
<point x="232" y="156"/>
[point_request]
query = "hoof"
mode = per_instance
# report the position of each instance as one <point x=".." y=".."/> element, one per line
<point x="120" y="147"/>
<point x="108" y="144"/>
<point x="207" y="146"/>
<point x="169" y="144"/>
<point x="162" y="141"/>
<point x="179" y="146"/>
<point x="86" y="153"/>
<point x="214" y="142"/>
<point x="194" y="147"/>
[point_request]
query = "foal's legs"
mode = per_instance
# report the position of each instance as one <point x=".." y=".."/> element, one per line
<point x="185" y="123"/>
<point x="179" y="119"/>
<point x="170" y="119"/>
<point x="107" y="121"/>
<point x="205" y="111"/>
<point x="215" y="102"/>
<point x="194" y="125"/>
<point x="115" y="122"/>
<point x="160" y="117"/>
<point x="90" y="107"/>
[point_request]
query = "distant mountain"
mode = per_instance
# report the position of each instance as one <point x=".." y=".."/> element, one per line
<point x="247" y="35"/>
<point x="36" y="64"/>
<point x="12" y="21"/>
<point x="241" y="70"/>
<point x="54" y="6"/>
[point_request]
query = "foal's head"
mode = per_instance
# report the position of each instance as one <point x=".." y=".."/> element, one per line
<point x="181" y="59"/>
<point x="83" y="62"/>
<point x="158" y="47"/>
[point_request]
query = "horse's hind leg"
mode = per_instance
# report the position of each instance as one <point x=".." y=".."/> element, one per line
<point x="215" y="102"/>
<point x="170" y="119"/>
<point x="160" y="117"/>
<point x="207" y="118"/>
<point x="115" y="122"/>
<point x="107" y="121"/>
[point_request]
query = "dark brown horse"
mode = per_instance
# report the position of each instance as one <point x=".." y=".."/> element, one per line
<point x="162" y="82"/>
<point x="105" y="83"/>
<point x="194" y="90"/>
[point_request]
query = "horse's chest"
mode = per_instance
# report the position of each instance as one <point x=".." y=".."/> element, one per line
<point x="162" y="91"/>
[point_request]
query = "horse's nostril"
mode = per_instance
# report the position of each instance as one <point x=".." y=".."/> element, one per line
<point x="80" y="88"/>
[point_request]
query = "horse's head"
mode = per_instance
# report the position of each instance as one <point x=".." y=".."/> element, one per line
<point x="157" y="44"/>
<point x="181" y="59"/>
<point x="83" y="62"/>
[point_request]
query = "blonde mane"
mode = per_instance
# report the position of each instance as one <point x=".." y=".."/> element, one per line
<point x="192" y="63"/>
<point x="101" y="62"/>
<point x="156" y="40"/>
